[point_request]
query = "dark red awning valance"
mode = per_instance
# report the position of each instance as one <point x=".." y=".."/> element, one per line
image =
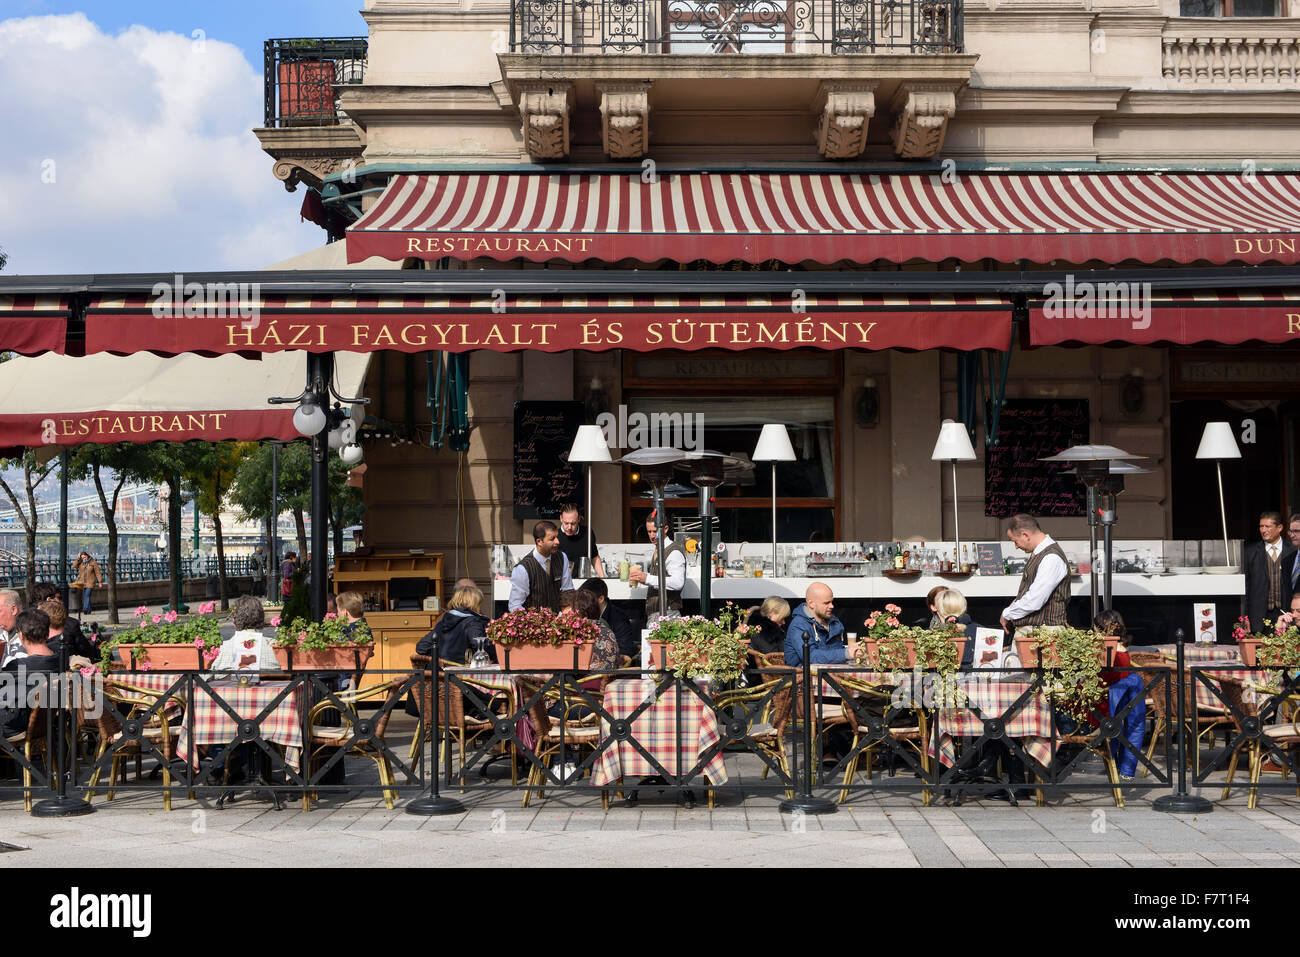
<point x="835" y="217"/>
<point x="640" y="323"/>
<point x="30" y="325"/>
<point x="1123" y="312"/>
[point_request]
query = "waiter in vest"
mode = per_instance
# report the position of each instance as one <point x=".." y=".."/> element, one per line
<point x="674" y="563"/>
<point x="536" y="582"/>
<point x="1045" y="588"/>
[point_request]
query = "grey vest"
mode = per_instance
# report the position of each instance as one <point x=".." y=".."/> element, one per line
<point x="1053" y="610"/>
<point x="652" y="596"/>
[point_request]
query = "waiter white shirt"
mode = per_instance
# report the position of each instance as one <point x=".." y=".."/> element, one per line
<point x="1051" y="571"/>
<point x="675" y="566"/>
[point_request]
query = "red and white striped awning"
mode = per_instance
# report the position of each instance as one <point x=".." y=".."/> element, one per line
<point x="30" y="325"/>
<point x="832" y="217"/>
<point x="554" y="323"/>
<point x="1126" y="312"/>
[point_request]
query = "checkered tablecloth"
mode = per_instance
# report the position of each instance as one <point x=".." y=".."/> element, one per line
<point x="656" y="730"/>
<point x="156" y="681"/>
<point x="1202" y="653"/>
<point x="213" y="725"/>
<point x="1032" y="724"/>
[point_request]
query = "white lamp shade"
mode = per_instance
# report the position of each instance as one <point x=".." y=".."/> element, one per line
<point x="309" y="419"/>
<point x="774" y="445"/>
<point x="351" y="455"/>
<point x="953" y="443"/>
<point x="589" y="445"/>
<point x="1218" y="442"/>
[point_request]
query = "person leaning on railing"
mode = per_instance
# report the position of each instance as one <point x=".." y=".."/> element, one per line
<point x="247" y="649"/>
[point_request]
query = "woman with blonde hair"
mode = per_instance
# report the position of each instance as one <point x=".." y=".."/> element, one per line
<point x="950" y="609"/>
<point x="767" y="626"/>
<point x="457" y="629"/>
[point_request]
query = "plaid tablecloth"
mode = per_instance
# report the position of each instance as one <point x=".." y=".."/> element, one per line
<point x="1203" y="653"/>
<point x="1032" y="724"/>
<point x="656" y="730"/>
<point x="213" y="725"/>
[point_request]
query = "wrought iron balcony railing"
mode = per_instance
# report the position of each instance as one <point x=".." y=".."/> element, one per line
<point x="302" y="77"/>
<point x="736" y="26"/>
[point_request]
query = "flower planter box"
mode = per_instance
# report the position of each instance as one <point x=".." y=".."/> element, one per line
<point x="1248" y="648"/>
<point x="873" y="650"/>
<point x="161" y="657"/>
<point x="1028" y="654"/>
<point x="340" y="658"/>
<point x="544" y="657"/>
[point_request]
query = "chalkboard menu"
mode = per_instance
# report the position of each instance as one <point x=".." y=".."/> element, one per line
<point x="990" y="558"/>
<point x="1014" y="479"/>
<point x="544" y="479"/>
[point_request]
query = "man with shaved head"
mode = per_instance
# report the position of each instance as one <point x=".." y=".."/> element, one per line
<point x="816" y="619"/>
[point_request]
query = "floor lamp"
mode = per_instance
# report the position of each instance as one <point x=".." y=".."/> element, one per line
<point x="1218" y="443"/>
<point x="774" y="446"/>
<point x="589" y="446"/>
<point x="953" y="446"/>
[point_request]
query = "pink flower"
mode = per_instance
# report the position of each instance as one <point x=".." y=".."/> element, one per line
<point x="146" y="666"/>
<point x="894" y="609"/>
<point x="157" y="619"/>
<point x="144" y="624"/>
<point x="210" y="655"/>
<point x="198" y="642"/>
<point x="302" y="636"/>
<point x="207" y="607"/>
<point x="141" y="611"/>
<point x="871" y="622"/>
<point x="329" y="615"/>
<point x="86" y="672"/>
<point x="169" y="617"/>
<point x="275" y="622"/>
<point x="892" y="621"/>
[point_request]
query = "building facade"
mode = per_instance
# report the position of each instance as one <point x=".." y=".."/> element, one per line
<point x="937" y="90"/>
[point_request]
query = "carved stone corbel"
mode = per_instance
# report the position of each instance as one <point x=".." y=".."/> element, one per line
<point x="846" y="110"/>
<point x="544" y="109"/>
<point x="311" y="170"/>
<point x="625" y="119"/>
<point x="922" y="112"/>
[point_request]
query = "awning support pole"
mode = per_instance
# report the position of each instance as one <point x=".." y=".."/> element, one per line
<point x="320" y="368"/>
<point x="63" y="524"/>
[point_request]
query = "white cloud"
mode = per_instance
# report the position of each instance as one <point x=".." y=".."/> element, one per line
<point x="149" y="141"/>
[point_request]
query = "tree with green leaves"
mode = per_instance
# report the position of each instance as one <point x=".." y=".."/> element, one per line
<point x="117" y="465"/>
<point x="33" y="475"/>
<point x="211" y="471"/>
<point x="251" y="492"/>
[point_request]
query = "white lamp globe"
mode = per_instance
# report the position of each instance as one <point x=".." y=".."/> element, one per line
<point x="309" y="418"/>
<point x="351" y="455"/>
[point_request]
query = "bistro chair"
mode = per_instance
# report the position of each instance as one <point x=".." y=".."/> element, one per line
<point x="321" y="738"/>
<point x="766" y="719"/>
<point x="161" y="730"/>
<point x="455" y="725"/>
<point x="1285" y="734"/>
<point x="913" y="733"/>
<point x="579" y="728"/>
<point x="32" y="741"/>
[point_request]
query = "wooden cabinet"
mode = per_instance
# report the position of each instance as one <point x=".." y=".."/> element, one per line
<point x="371" y="574"/>
<point x="396" y="635"/>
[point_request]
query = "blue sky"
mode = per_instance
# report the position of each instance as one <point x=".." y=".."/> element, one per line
<point x="245" y="23"/>
<point x="128" y="141"/>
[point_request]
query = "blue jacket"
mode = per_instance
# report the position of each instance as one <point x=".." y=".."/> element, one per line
<point x="826" y="645"/>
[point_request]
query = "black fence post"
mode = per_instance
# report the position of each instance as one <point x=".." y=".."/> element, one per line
<point x="1180" y="802"/>
<point x="57" y="748"/>
<point x="434" y="803"/>
<point x="803" y="802"/>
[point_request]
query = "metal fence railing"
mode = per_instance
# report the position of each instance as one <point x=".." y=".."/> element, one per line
<point x="302" y="75"/>
<point x="129" y="569"/>
<point x="736" y="26"/>
<point x="802" y="736"/>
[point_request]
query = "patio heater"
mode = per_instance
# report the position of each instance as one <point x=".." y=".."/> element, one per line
<point x="1092" y="465"/>
<point x="708" y="470"/>
<point x="953" y="445"/>
<point x="774" y="446"/>
<point x="589" y="446"/>
<point x="656" y="467"/>
<point x="1218" y="443"/>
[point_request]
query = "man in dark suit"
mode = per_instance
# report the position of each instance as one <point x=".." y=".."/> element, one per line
<point x="1291" y="566"/>
<point x="629" y="642"/>
<point x="1268" y="590"/>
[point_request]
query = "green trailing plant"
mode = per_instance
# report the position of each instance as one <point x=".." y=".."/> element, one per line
<point x="203" y="631"/>
<point x="1279" y="643"/>
<point x="712" y="647"/>
<point x="1074" y="659"/>
<point x="300" y="634"/>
